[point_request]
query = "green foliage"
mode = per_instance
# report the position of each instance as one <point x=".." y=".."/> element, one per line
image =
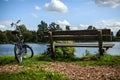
<point x="59" y="52"/>
<point x="66" y="52"/>
<point x="87" y="53"/>
<point x="53" y="26"/>
<point x="67" y="28"/>
<point x="8" y="37"/>
<point x="42" y="27"/>
<point x="3" y="37"/>
<point x="118" y="33"/>
<point x="100" y="60"/>
<point x="7" y="59"/>
<point x="23" y="28"/>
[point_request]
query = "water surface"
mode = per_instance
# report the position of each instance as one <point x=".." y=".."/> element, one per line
<point x="8" y="49"/>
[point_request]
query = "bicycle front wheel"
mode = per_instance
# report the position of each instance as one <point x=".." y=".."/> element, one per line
<point x="28" y="52"/>
<point x="18" y="53"/>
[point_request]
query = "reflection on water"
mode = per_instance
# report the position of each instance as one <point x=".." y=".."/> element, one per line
<point x="8" y="49"/>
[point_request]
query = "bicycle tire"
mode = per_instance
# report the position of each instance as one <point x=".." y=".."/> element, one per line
<point x="28" y="51"/>
<point x="20" y="57"/>
<point x="17" y="54"/>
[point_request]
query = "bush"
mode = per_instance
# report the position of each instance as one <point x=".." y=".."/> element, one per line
<point x="67" y="52"/>
<point x="59" y="52"/>
<point x="87" y="53"/>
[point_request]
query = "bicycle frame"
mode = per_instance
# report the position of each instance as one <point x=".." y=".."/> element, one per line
<point x="21" y="49"/>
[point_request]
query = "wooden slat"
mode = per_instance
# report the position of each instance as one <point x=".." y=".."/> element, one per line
<point x="107" y="38"/>
<point x="80" y="32"/>
<point x="74" y="32"/>
<point x="106" y="32"/>
<point x="83" y="45"/>
<point x="75" y="37"/>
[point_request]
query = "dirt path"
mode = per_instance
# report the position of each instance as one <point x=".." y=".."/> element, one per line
<point x="73" y="71"/>
<point x="10" y="68"/>
<point x="77" y="72"/>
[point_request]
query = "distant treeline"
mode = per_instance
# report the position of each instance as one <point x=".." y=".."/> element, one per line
<point x="36" y="36"/>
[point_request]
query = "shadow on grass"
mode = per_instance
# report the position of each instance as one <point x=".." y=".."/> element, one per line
<point x="87" y="60"/>
<point x="42" y="59"/>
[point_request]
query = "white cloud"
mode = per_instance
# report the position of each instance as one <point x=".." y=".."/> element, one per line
<point x="108" y="3"/>
<point x="110" y="24"/>
<point x="83" y="26"/>
<point x="56" y="6"/>
<point x="34" y="15"/>
<point x="104" y="24"/>
<point x="74" y="28"/>
<point x="63" y="23"/>
<point x="5" y="25"/>
<point x="37" y="8"/>
<point x="2" y="27"/>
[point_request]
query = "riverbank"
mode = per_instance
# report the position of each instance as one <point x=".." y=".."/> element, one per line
<point x="44" y="68"/>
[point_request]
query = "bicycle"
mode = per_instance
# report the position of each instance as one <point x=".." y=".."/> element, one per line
<point x="21" y="50"/>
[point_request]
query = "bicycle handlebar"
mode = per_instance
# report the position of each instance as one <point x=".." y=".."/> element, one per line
<point x="18" y="21"/>
<point x="17" y="28"/>
<point x="15" y="23"/>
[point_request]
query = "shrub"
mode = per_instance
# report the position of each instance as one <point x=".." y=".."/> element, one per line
<point x="59" y="52"/>
<point x="66" y="52"/>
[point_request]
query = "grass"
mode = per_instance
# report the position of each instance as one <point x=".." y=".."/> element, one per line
<point x="85" y="60"/>
<point x="39" y="60"/>
<point x="32" y="75"/>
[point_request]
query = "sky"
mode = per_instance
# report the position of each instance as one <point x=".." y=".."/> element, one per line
<point x="78" y="14"/>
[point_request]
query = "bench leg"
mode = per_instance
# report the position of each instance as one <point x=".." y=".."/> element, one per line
<point x="102" y="51"/>
<point x="53" y="51"/>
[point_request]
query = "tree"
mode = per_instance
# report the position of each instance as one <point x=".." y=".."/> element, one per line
<point x="23" y="28"/>
<point x="3" y="37"/>
<point x="118" y="33"/>
<point x="58" y="27"/>
<point x="91" y="28"/>
<point x="10" y="36"/>
<point x="34" y="36"/>
<point x="42" y="27"/>
<point x="67" y="28"/>
<point x="28" y="36"/>
<point x="54" y="27"/>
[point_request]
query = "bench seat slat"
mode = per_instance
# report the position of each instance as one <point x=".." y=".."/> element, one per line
<point x="83" y="45"/>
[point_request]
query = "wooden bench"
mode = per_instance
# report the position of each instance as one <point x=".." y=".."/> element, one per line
<point x="79" y="35"/>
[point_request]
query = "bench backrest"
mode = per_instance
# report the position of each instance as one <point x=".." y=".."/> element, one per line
<point x="81" y="35"/>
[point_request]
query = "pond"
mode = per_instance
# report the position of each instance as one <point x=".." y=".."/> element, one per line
<point x="7" y="49"/>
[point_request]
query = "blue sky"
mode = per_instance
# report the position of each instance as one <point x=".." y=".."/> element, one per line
<point x="79" y="14"/>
